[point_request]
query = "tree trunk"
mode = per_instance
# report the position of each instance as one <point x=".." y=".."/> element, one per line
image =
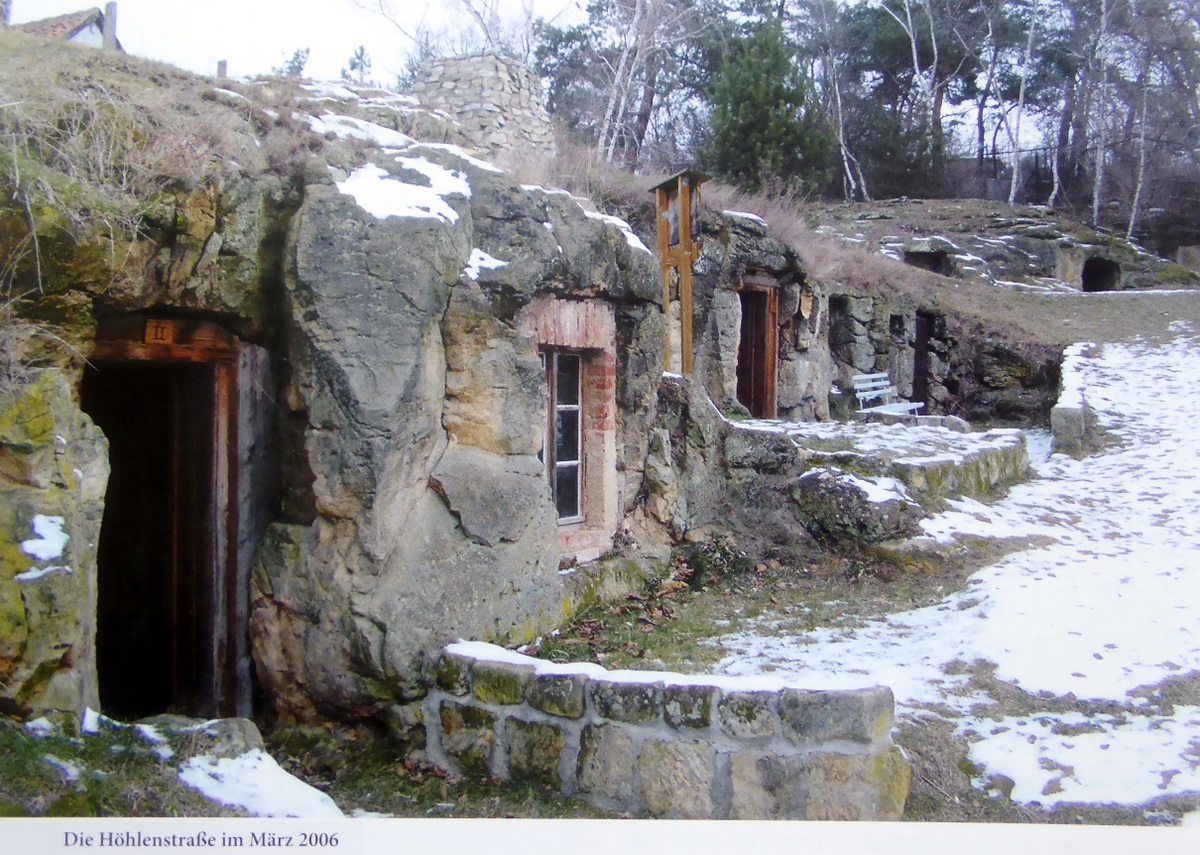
<point x="1063" y="161"/>
<point x="620" y="85"/>
<point x="1014" y="183"/>
<point x="1135" y="205"/>
<point x="646" y="109"/>
<point x="1102" y="101"/>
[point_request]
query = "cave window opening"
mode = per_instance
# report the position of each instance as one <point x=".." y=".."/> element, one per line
<point x="1100" y="274"/>
<point x="934" y="260"/>
<point x="564" y="441"/>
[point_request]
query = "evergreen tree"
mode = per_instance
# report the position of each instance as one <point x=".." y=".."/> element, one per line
<point x="766" y="133"/>
<point x="359" y="66"/>
<point x="293" y="67"/>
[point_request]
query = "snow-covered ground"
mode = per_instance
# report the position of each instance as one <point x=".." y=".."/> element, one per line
<point x="1110" y="608"/>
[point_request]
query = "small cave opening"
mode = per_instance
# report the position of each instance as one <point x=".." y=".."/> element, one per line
<point x="188" y="412"/>
<point x="154" y="605"/>
<point x="934" y="260"/>
<point x="841" y="327"/>
<point x="1100" y="274"/>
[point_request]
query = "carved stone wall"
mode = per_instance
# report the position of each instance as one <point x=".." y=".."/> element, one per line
<point x="497" y="101"/>
<point x="668" y="745"/>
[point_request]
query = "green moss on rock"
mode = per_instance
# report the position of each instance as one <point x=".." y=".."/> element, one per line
<point x="500" y="682"/>
<point x="560" y="695"/>
<point x="534" y="751"/>
<point x="688" y="706"/>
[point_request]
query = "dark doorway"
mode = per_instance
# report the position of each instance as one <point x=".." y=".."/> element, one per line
<point x="933" y="260"/>
<point x="157" y="543"/>
<point x="756" y="351"/>
<point x="923" y="332"/>
<point x="1100" y="274"/>
<point x="170" y="601"/>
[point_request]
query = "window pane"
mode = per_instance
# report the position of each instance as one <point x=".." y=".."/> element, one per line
<point x="566" y="491"/>
<point x="566" y="448"/>
<point x="568" y="378"/>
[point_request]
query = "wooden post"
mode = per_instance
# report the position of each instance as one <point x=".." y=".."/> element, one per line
<point x="675" y="201"/>
<point x="686" y="258"/>
<point x="664" y="264"/>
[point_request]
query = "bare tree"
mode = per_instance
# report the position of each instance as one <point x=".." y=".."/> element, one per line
<point x="643" y="31"/>
<point x="824" y="21"/>
<point x="926" y="82"/>
<point x="1023" y="77"/>
<point x="512" y="35"/>
<point x="1101" y="147"/>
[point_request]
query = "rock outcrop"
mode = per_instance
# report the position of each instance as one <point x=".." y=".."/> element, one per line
<point x="53" y="471"/>
<point x="424" y="408"/>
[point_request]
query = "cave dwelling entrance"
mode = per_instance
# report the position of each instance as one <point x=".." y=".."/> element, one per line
<point x="758" y="344"/>
<point x="181" y="402"/>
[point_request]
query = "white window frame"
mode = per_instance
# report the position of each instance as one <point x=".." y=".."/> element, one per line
<point x="550" y="358"/>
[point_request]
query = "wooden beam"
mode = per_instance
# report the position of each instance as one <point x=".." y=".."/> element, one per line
<point x="685" y="275"/>
<point x="664" y="263"/>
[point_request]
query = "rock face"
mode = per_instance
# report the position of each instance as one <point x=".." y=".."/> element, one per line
<point x="395" y="300"/>
<point x="53" y="471"/>
<point x="433" y="516"/>
<point x="779" y="486"/>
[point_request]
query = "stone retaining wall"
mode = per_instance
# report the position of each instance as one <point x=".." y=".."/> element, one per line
<point x="496" y="100"/>
<point x="668" y="745"/>
<point x="1072" y="422"/>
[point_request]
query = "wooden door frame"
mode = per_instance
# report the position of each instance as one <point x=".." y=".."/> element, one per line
<point x="165" y="341"/>
<point x="759" y="282"/>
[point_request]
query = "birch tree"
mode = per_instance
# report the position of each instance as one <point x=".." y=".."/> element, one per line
<point x="1023" y="77"/>
<point x="826" y="34"/>
<point x="1100" y="159"/>
<point x="926" y="79"/>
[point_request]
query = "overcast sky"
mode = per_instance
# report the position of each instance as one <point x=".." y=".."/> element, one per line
<point x="255" y="36"/>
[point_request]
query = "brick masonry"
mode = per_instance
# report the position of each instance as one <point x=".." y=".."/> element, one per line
<point x="667" y="745"/>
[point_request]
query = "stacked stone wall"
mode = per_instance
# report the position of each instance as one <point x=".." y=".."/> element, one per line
<point x="497" y="101"/>
<point x="665" y="745"/>
<point x="1072" y="422"/>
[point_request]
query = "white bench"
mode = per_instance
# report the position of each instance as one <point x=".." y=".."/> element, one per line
<point x="878" y="388"/>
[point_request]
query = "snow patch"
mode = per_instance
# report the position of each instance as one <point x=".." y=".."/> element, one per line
<point x="33" y="574"/>
<point x="480" y="261"/>
<point x="255" y="782"/>
<point x="383" y="196"/>
<point x="630" y="238"/>
<point x="746" y="215"/>
<point x="1104" y="610"/>
<point x="50" y="538"/>
<point x="348" y="127"/>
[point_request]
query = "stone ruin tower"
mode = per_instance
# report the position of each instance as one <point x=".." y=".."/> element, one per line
<point x="497" y="101"/>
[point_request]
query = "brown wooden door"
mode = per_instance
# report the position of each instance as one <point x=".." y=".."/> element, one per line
<point x="757" y="352"/>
